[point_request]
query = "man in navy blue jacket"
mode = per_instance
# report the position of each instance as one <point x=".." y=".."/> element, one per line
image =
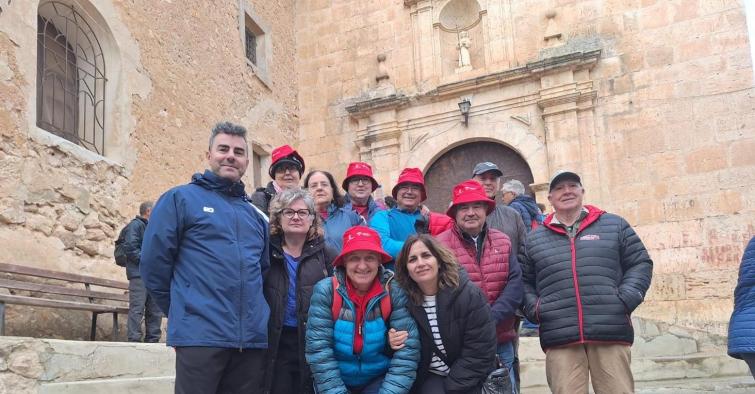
<point x="203" y="256"/>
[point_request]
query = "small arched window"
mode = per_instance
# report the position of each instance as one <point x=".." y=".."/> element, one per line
<point x="71" y="77"/>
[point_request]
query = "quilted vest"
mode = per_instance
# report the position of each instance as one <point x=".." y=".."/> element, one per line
<point x="491" y="273"/>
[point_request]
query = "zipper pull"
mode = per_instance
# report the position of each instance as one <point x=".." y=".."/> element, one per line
<point x="360" y="330"/>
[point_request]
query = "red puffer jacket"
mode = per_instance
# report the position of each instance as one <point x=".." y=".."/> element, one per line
<point x="491" y="273"/>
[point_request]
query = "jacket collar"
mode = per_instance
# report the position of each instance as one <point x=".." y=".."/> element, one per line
<point x="593" y="213"/>
<point x="211" y="181"/>
<point x="311" y="247"/>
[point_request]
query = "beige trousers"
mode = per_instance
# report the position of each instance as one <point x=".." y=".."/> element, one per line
<point x="607" y="365"/>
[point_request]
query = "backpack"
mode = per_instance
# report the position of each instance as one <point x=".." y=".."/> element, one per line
<point x="385" y="302"/>
<point x="120" y="248"/>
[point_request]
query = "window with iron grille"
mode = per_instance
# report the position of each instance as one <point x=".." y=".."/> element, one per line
<point x="251" y="46"/>
<point x="70" y="77"/>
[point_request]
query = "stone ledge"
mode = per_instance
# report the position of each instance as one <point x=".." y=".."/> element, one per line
<point x="152" y="385"/>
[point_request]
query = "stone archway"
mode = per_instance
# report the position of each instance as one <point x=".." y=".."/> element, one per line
<point x="456" y="165"/>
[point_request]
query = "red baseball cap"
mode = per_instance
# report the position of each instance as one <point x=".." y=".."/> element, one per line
<point x="361" y="238"/>
<point x="410" y="175"/>
<point x="359" y="168"/>
<point x="467" y="192"/>
<point x="285" y="155"/>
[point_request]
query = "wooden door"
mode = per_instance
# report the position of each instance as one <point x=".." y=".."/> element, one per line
<point x="456" y="165"/>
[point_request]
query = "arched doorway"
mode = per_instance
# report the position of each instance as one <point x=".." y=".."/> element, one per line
<point x="456" y="165"/>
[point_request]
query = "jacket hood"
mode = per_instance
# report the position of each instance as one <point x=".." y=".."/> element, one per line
<point x="211" y="181"/>
<point x="529" y="204"/>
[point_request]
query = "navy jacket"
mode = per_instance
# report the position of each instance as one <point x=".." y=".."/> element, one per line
<point x="528" y="210"/>
<point x="133" y="235"/>
<point x="203" y="257"/>
<point x="742" y="324"/>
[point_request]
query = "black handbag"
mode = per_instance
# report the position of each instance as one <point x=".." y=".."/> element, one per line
<point x="498" y="381"/>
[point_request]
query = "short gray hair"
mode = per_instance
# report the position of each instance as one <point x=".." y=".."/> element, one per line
<point x="513" y="186"/>
<point x="144" y="207"/>
<point x="227" y="128"/>
<point x="283" y="200"/>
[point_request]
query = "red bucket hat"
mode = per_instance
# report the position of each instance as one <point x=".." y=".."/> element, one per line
<point x="410" y="175"/>
<point x="361" y="238"/>
<point x="466" y="192"/>
<point x="285" y="155"/>
<point x="359" y="168"/>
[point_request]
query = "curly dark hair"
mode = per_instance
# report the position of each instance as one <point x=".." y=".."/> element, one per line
<point x="448" y="267"/>
<point x="337" y="196"/>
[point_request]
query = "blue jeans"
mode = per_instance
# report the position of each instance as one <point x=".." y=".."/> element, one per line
<point x="506" y="355"/>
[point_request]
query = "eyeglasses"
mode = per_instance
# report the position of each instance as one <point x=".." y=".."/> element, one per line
<point x="360" y="181"/>
<point x="302" y="213"/>
<point x="284" y="168"/>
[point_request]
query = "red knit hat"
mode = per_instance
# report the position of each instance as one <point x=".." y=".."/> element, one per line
<point x="410" y="175"/>
<point x="361" y="238"/>
<point x="359" y="168"/>
<point x="467" y="192"/>
<point x="285" y="155"/>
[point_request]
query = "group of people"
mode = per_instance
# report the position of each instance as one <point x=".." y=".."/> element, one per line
<point x="301" y="288"/>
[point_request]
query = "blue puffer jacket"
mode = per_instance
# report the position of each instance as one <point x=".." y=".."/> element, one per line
<point x="339" y="220"/>
<point x="372" y="207"/>
<point x="742" y="323"/>
<point x="203" y="256"/>
<point x="394" y="226"/>
<point x="329" y="344"/>
<point x="527" y="208"/>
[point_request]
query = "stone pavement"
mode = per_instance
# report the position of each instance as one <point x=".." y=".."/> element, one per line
<point x="664" y="360"/>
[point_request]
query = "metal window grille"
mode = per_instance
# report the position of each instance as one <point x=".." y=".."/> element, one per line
<point x="251" y="46"/>
<point x="70" y="77"/>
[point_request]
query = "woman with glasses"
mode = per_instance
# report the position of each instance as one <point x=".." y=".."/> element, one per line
<point x="329" y="204"/>
<point x="298" y="260"/>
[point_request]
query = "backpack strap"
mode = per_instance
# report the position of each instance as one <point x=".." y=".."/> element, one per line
<point x="335" y="307"/>
<point x="385" y="304"/>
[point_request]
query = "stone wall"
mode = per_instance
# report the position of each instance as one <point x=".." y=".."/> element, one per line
<point x="175" y="68"/>
<point x="660" y="123"/>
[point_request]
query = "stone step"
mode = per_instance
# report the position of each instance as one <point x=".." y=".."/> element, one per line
<point x="729" y="385"/>
<point x="152" y="385"/>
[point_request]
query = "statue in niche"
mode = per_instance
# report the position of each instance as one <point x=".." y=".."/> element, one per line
<point x="464" y="44"/>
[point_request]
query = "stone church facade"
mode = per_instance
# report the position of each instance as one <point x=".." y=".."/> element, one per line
<point x="651" y="101"/>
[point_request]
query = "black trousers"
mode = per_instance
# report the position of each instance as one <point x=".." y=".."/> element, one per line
<point x="286" y="374"/>
<point x="210" y="370"/>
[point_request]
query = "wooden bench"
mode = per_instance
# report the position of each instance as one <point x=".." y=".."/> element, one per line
<point x="20" y="278"/>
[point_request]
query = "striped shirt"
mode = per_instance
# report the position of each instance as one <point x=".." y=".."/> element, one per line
<point x="437" y="366"/>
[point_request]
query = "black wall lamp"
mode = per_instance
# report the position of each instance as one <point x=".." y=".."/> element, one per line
<point x="464" y="106"/>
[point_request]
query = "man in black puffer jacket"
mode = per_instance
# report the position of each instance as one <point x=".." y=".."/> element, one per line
<point x="584" y="272"/>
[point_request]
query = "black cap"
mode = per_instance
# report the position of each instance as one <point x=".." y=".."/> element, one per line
<point x="486" y="166"/>
<point x="563" y="175"/>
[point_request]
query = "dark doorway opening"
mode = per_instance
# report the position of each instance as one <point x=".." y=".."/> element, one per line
<point x="456" y="165"/>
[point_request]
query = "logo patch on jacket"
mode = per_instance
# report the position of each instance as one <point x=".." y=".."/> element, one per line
<point x="589" y="237"/>
<point x="209" y="209"/>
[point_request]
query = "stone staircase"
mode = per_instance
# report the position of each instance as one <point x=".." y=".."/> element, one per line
<point x="665" y="360"/>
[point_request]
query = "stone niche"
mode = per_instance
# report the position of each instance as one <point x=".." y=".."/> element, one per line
<point x="460" y="32"/>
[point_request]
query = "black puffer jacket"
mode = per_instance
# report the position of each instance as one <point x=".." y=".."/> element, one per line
<point x="584" y="289"/>
<point x="262" y="196"/>
<point x="468" y="333"/>
<point x="315" y="263"/>
<point x="133" y="235"/>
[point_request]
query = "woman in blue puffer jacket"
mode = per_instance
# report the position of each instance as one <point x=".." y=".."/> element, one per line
<point x="349" y="318"/>
<point x="742" y="323"/>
